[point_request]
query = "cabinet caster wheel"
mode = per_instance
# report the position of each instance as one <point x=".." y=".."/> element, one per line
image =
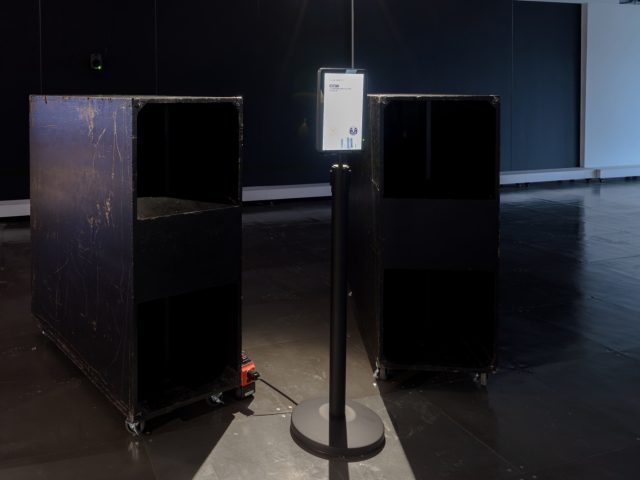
<point x="245" y="392"/>
<point x="481" y="379"/>
<point x="237" y="393"/>
<point x="135" y="428"/>
<point x="215" y="400"/>
<point x="380" y="373"/>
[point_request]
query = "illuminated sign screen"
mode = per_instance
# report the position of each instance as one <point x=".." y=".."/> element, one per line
<point x="340" y="109"/>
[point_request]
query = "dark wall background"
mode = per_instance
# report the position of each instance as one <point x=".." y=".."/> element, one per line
<point x="19" y="76"/>
<point x="439" y="46"/>
<point x="266" y="50"/>
<point x="546" y="85"/>
<point x="121" y="31"/>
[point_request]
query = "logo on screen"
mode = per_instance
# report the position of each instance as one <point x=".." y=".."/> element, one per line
<point x="353" y="130"/>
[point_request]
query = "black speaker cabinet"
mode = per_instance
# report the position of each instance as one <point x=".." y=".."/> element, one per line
<point x="135" y="230"/>
<point x="424" y="213"/>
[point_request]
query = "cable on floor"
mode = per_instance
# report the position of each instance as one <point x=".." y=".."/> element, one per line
<point x="278" y="390"/>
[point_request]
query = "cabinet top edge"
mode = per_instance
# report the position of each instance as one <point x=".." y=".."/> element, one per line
<point x="379" y="96"/>
<point x="143" y="98"/>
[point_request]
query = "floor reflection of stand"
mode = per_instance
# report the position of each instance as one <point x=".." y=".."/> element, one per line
<point x="335" y="427"/>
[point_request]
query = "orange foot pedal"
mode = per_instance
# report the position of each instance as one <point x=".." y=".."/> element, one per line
<point x="249" y="376"/>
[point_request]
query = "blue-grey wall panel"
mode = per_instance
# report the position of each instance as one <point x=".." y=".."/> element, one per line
<point x="20" y="77"/>
<point x="439" y="46"/>
<point x="546" y="85"/>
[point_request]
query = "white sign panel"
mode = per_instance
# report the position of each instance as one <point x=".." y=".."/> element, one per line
<point x="342" y="111"/>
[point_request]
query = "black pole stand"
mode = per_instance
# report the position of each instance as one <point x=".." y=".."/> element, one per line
<point x="336" y="427"/>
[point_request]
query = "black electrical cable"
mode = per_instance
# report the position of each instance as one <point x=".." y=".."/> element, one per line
<point x="279" y="391"/>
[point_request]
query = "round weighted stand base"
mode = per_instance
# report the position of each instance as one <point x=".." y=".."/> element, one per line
<point x="360" y="434"/>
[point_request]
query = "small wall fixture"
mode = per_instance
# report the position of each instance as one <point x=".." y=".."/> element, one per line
<point x="95" y="62"/>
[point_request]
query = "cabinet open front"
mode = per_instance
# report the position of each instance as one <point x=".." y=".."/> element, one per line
<point x="187" y="157"/>
<point x="436" y="317"/>
<point x="439" y="148"/>
<point x="184" y="347"/>
<point x="424" y="235"/>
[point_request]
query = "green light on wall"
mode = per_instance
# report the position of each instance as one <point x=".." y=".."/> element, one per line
<point x="95" y="62"/>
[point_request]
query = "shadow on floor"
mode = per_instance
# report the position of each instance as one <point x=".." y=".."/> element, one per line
<point x="434" y="443"/>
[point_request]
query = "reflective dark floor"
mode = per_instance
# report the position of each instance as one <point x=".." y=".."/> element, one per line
<point x="565" y="403"/>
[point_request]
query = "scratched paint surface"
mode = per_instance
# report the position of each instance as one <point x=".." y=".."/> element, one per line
<point x="81" y="220"/>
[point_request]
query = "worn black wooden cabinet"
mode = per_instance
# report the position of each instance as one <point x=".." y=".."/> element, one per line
<point x="424" y="212"/>
<point x="136" y="231"/>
